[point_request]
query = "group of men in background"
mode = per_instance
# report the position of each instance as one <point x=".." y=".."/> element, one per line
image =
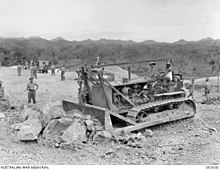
<point x="207" y="88"/>
<point x="34" y="70"/>
<point x="32" y="87"/>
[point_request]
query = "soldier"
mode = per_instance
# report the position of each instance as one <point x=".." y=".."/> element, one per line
<point x="62" y="73"/>
<point x="191" y="90"/>
<point x="207" y="88"/>
<point x="31" y="70"/>
<point x="32" y="88"/>
<point x="19" y="67"/>
<point x="53" y="70"/>
<point x="153" y="72"/>
<point x="35" y="71"/>
<point x="26" y="65"/>
<point x="168" y="71"/>
<point x="168" y="75"/>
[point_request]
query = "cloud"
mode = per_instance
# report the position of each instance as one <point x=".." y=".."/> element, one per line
<point x="160" y="20"/>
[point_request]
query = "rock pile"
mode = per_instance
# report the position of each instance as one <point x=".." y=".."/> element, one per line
<point x="30" y="126"/>
<point x="52" y="124"/>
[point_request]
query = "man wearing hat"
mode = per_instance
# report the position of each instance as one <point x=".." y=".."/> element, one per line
<point x="153" y="71"/>
<point x="32" y="88"/>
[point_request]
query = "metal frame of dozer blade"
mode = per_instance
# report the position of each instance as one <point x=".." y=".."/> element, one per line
<point x="100" y="113"/>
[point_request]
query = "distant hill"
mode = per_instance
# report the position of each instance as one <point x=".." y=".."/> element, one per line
<point x="182" y="41"/>
<point x="149" y="42"/>
<point x="58" y="39"/>
<point x="188" y="56"/>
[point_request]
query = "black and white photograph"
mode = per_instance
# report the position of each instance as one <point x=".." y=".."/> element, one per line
<point x="109" y="82"/>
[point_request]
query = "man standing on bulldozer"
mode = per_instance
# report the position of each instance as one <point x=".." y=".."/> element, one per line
<point x="168" y="71"/>
<point x="167" y="76"/>
<point x="153" y="72"/>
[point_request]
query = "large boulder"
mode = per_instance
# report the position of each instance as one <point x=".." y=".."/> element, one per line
<point x="35" y="115"/>
<point x="56" y="127"/>
<point x="76" y="132"/>
<point x="55" y="112"/>
<point x="50" y="104"/>
<point x="29" y="130"/>
<point x="24" y="114"/>
<point x="29" y="113"/>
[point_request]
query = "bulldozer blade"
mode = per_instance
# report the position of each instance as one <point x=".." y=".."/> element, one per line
<point x="102" y="114"/>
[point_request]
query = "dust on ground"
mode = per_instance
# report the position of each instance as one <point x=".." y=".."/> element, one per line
<point x="184" y="142"/>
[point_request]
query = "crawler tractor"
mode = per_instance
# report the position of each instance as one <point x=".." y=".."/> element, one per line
<point x="130" y="104"/>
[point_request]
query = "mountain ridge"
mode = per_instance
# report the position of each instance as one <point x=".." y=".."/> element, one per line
<point x="186" y="54"/>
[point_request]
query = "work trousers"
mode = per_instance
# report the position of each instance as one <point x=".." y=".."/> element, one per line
<point x="35" y="73"/>
<point x="32" y="95"/>
<point x="32" y="74"/>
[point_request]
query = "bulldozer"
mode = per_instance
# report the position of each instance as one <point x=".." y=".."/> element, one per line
<point x="128" y="104"/>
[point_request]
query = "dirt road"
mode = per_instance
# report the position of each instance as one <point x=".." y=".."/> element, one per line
<point x="186" y="142"/>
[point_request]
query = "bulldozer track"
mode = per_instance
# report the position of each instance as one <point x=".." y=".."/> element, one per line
<point x="162" y="107"/>
<point x="161" y="103"/>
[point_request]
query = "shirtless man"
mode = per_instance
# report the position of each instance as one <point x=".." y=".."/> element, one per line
<point x="153" y="72"/>
<point x="168" y="71"/>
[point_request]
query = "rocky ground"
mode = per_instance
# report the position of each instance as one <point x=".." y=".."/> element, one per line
<point x="188" y="142"/>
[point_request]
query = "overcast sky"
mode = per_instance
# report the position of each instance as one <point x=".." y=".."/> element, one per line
<point x="138" y="20"/>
